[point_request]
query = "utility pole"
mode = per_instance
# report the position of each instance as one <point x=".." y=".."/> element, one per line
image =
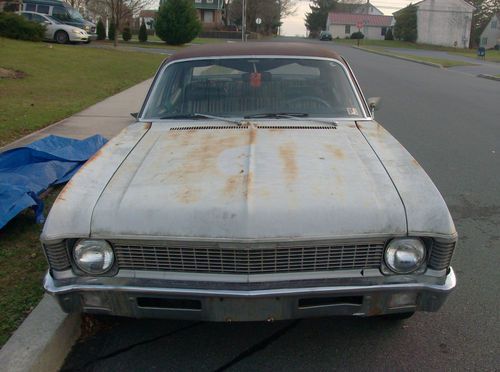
<point x="244" y="21"/>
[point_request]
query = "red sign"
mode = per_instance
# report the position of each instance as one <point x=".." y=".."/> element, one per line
<point x="359" y="24"/>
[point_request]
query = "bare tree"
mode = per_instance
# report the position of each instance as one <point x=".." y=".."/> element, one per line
<point x="122" y="10"/>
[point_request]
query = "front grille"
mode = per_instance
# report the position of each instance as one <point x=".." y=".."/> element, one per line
<point x="57" y="256"/>
<point x="441" y="254"/>
<point x="242" y="260"/>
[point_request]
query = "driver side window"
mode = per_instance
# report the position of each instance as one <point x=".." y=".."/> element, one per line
<point x="37" y="18"/>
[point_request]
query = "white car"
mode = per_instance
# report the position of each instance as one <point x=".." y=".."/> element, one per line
<point x="56" y="30"/>
<point x="256" y="185"/>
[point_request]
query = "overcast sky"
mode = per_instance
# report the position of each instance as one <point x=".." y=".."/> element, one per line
<point x="294" y="25"/>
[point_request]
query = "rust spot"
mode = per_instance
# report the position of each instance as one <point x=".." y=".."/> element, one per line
<point x="233" y="183"/>
<point x="287" y="154"/>
<point x="188" y="195"/>
<point x="416" y="163"/>
<point x="352" y="126"/>
<point x="253" y="135"/>
<point x="64" y="191"/>
<point x="147" y="126"/>
<point x="335" y="151"/>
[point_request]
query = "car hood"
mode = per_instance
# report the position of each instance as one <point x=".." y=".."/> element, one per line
<point x="274" y="180"/>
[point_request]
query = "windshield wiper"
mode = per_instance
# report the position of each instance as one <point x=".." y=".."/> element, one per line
<point x="291" y="115"/>
<point x="201" y="116"/>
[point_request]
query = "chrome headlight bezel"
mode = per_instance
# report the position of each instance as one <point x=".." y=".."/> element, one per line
<point x="409" y="246"/>
<point x="103" y="247"/>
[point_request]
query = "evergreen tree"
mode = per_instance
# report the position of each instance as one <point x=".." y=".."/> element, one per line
<point x="177" y="22"/>
<point x="111" y="31"/>
<point x="143" y="33"/>
<point x="406" y="24"/>
<point x="126" y="34"/>
<point x="101" y="30"/>
<point x="317" y="16"/>
<point x="389" y="35"/>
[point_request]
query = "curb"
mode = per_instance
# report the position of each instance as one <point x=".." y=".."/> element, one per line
<point x="436" y="65"/>
<point x="42" y="341"/>
<point x="490" y="77"/>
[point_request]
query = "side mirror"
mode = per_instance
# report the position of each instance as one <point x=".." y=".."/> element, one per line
<point x="135" y="115"/>
<point x="374" y="104"/>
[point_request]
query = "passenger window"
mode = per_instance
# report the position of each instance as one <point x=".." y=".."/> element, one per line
<point x="43" y="9"/>
<point x="37" y="18"/>
<point x="27" y="16"/>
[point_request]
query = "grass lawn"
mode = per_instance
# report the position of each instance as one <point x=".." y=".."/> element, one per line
<point x="491" y="55"/>
<point x="22" y="266"/>
<point x="61" y="80"/>
<point x="440" y="61"/>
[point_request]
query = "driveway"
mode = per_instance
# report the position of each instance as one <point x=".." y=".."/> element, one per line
<point x="449" y="122"/>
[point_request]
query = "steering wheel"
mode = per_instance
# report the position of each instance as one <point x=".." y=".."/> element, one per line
<point x="321" y="101"/>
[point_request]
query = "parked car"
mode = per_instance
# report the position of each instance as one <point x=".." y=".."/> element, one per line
<point x="325" y="36"/>
<point x="57" y="31"/>
<point x="62" y="12"/>
<point x="255" y="185"/>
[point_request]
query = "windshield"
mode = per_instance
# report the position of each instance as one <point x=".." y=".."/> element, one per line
<point x="74" y="14"/>
<point x="243" y="87"/>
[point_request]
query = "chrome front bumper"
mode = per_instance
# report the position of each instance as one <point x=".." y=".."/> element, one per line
<point x="254" y="305"/>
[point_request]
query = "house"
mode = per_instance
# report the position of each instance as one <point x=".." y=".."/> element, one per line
<point x="343" y="25"/>
<point x="148" y="17"/>
<point x="490" y="36"/>
<point x="444" y="22"/>
<point x="209" y="11"/>
<point x="365" y="8"/>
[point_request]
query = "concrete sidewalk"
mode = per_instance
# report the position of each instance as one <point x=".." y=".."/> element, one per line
<point x="106" y="118"/>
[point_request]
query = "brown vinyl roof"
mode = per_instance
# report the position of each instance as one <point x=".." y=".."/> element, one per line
<point x="256" y="49"/>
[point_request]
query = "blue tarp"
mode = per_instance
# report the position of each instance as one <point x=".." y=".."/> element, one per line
<point x="26" y="172"/>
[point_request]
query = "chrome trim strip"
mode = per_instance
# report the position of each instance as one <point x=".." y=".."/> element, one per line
<point x="449" y="284"/>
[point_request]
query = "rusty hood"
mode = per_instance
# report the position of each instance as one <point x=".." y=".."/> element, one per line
<point x="272" y="180"/>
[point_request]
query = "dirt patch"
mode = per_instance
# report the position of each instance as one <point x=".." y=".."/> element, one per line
<point x="5" y="73"/>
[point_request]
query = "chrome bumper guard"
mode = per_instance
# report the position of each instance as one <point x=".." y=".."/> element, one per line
<point x="255" y="305"/>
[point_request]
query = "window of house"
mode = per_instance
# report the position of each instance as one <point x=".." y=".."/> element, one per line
<point x="208" y="16"/>
<point x="210" y="1"/>
<point x="348" y="29"/>
<point x="383" y="31"/>
<point x="197" y="1"/>
<point x="493" y="24"/>
<point x="31" y="7"/>
<point x="484" y="41"/>
<point x="43" y="9"/>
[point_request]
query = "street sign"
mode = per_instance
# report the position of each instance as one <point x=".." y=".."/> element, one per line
<point x="359" y="25"/>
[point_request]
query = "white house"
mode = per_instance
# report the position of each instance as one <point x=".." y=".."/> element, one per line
<point x="444" y="22"/>
<point x="491" y="34"/>
<point x="343" y="25"/>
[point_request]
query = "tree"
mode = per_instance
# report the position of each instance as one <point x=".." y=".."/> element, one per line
<point x="143" y="33"/>
<point x="485" y="9"/>
<point x="101" y="30"/>
<point x="270" y="12"/>
<point x="177" y="22"/>
<point x="126" y="34"/>
<point x="111" y="31"/>
<point x="122" y="10"/>
<point x="406" y="24"/>
<point x="389" y="35"/>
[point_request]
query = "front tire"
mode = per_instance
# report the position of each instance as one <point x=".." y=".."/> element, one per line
<point x="61" y="37"/>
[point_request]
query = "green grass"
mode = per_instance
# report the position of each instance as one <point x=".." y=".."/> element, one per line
<point x="491" y="55"/>
<point x="22" y="266"/>
<point x="440" y="61"/>
<point x="62" y="80"/>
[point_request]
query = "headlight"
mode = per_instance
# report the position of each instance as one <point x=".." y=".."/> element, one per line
<point x="404" y="256"/>
<point x="93" y="256"/>
<point x="75" y="30"/>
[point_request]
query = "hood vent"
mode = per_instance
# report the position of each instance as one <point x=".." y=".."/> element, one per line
<point x="246" y="126"/>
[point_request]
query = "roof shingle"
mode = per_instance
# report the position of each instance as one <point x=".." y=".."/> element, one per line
<point x="353" y="19"/>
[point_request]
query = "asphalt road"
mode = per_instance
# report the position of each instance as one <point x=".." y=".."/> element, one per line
<point x="451" y="123"/>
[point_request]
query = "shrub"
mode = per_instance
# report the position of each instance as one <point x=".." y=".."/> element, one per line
<point x="101" y="30"/>
<point x="406" y="24"/>
<point x="111" y="31"/>
<point x="388" y="35"/>
<point x="126" y="34"/>
<point x="143" y="33"/>
<point x="17" y="27"/>
<point x="177" y="22"/>
<point x="357" y="35"/>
